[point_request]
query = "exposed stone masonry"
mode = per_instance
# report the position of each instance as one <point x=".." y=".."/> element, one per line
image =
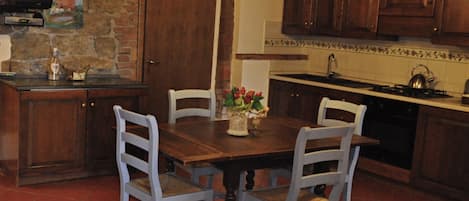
<point x="107" y="41"/>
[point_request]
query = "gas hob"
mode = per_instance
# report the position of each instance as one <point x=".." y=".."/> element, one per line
<point x="404" y="90"/>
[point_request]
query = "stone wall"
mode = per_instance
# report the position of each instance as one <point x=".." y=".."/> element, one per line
<point x="107" y="42"/>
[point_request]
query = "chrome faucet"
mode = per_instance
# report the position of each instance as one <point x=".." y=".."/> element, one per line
<point x="330" y="61"/>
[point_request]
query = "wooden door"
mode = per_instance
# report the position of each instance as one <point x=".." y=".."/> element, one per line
<point x="440" y="162"/>
<point x="407" y="17"/>
<point x="298" y="17"/>
<point x="179" y="36"/>
<point x="452" y="26"/>
<point x="52" y="135"/>
<point x="100" y="135"/>
<point x="360" y="18"/>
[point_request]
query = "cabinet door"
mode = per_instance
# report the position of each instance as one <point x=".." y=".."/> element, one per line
<point x="441" y="152"/>
<point x="306" y="103"/>
<point x="101" y="135"/>
<point x="360" y="18"/>
<point x="407" y="17"/>
<point x="52" y="135"/>
<point x="297" y="17"/>
<point x="452" y="26"/>
<point x="280" y="95"/>
<point x="328" y="16"/>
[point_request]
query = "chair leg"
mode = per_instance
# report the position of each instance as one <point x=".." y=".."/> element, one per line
<point x="124" y="196"/>
<point x="348" y="191"/>
<point x="273" y="179"/>
<point x="209" y="181"/>
<point x="240" y="194"/>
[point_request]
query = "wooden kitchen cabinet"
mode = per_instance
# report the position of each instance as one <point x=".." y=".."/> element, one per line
<point x="440" y="162"/>
<point x="407" y="17"/>
<point x="304" y="17"/>
<point x="100" y="121"/>
<point x="62" y="133"/>
<point x="293" y="100"/>
<point x="452" y="23"/>
<point x="360" y="18"/>
<point x="331" y="17"/>
<point x="302" y="101"/>
<point x="52" y="135"/>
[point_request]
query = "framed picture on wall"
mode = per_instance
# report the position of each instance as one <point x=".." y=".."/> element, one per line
<point x="64" y="14"/>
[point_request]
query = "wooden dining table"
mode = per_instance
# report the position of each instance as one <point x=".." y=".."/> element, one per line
<point x="270" y="145"/>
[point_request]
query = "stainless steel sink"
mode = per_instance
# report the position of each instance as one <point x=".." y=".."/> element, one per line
<point x="328" y="80"/>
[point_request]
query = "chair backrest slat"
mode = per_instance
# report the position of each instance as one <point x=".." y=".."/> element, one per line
<point x="357" y="110"/>
<point x="136" y="140"/>
<point x="175" y="113"/>
<point x="135" y="162"/>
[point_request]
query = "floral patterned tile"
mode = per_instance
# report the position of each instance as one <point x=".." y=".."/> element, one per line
<point x="433" y="54"/>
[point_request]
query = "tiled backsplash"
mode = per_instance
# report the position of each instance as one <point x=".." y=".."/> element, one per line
<point x="389" y="62"/>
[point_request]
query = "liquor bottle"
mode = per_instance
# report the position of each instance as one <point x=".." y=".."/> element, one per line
<point x="54" y="68"/>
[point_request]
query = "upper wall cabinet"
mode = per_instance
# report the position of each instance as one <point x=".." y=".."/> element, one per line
<point x="312" y="17"/>
<point x="352" y="18"/>
<point x="407" y="17"/>
<point x="452" y="23"/>
<point x="360" y="18"/>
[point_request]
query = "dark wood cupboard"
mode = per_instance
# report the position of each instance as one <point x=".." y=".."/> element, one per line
<point x="452" y="23"/>
<point x="440" y="162"/>
<point x="302" y="101"/>
<point x="293" y="100"/>
<point x="63" y="133"/>
<point x="100" y="121"/>
<point x="407" y="17"/>
<point x="334" y="18"/>
<point x="52" y="135"/>
<point x="360" y="18"/>
<point x="306" y="17"/>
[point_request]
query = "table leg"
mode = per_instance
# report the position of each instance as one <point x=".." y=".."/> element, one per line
<point x="250" y="179"/>
<point x="231" y="183"/>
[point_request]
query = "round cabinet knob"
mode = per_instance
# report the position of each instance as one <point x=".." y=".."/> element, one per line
<point x="83" y="105"/>
<point x="435" y="29"/>
<point x="92" y="104"/>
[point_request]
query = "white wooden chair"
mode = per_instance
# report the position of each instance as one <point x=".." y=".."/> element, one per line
<point x="153" y="187"/>
<point x="359" y="112"/>
<point x="302" y="181"/>
<point x="174" y="113"/>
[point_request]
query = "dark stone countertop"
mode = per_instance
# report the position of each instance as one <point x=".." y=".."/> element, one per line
<point x="25" y="84"/>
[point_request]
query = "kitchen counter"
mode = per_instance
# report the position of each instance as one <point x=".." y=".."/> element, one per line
<point x="452" y="103"/>
<point x="25" y="84"/>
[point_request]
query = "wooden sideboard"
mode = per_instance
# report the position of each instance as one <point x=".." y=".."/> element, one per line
<point x="63" y="132"/>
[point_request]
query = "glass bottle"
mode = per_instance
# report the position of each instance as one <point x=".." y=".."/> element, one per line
<point x="54" y="68"/>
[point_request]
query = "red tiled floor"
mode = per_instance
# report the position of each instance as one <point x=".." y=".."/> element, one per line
<point x="366" y="188"/>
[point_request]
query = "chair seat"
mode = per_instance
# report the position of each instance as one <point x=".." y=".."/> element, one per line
<point x="280" y="194"/>
<point x="170" y="185"/>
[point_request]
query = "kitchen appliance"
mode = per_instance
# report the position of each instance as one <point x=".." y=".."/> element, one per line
<point x="15" y="5"/>
<point x="421" y="80"/>
<point x="393" y="123"/>
<point x="404" y="90"/>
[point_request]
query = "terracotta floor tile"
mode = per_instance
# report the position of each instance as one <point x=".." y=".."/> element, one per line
<point x="366" y="188"/>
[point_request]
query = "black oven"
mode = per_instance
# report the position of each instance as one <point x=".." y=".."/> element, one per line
<point x="393" y="123"/>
